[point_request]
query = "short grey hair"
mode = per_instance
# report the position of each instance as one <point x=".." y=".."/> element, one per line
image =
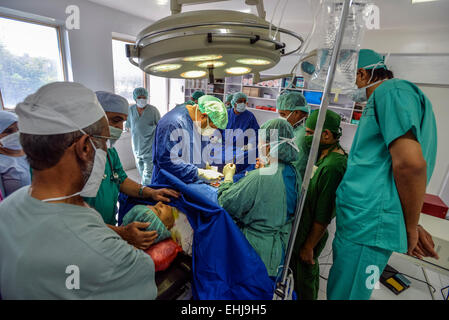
<point x="45" y="151"/>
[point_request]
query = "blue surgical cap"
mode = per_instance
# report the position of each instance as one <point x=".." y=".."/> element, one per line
<point x="112" y="102"/>
<point x="237" y="96"/>
<point x="7" y="118"/>
<point x="140" y="92"/>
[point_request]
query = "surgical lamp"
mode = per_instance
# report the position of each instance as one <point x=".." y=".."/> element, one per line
<point x="209" y="43"/>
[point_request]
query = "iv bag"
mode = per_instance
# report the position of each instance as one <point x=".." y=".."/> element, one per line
<point x="329" y="22"/>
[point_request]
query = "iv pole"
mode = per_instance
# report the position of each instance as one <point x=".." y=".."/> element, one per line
<point x="281" y="287"/>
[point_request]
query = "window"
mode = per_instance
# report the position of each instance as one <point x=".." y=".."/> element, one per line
<point x="126" y="76"/>
<point x="30" y="57"/>
<point x="158" y="93"/>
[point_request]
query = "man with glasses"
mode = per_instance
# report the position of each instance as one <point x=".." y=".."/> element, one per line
<point x="52" y="244"/>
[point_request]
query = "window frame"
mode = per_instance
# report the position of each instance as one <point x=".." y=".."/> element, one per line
<point x="61" y="46"/>
<point x="146" y="80"/>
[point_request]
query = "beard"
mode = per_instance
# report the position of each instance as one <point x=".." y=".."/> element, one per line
<point x="86" y="170"/>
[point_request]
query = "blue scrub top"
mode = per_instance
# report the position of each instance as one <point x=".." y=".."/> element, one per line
<point x="231" y="151"/>
<point x="186" y="144"/>
<point x="14" y="174"/>
<point x="369" y="210"/>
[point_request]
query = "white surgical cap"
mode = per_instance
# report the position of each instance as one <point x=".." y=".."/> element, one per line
<point x="57" y="108"/>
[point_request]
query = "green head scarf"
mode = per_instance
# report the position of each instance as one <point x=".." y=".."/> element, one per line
<point x="215" y="109"/>
<point x="141" y="213"/>
<point x="292" y="101"/>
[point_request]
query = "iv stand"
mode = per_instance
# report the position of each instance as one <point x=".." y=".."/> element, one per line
<point x="281" y="287"/>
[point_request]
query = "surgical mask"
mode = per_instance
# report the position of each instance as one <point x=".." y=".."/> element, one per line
<point x="93" y="183"/>
<point x="115" y="135"/>
<point x="323" y="146"/>
<point x="208" y="131"/>
<point x="141" y="103"/>
<point x="359" y="94"/>
<point x="11" y="141"/>
<point x="240" y="107"/>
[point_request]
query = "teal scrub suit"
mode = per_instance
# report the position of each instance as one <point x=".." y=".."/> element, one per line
<point x="369" y="212"/>
<point x="106" y="200"/>
<point x="143" y="130"/>
<point x="42" y="245"/>
<point x="261" y="206"/>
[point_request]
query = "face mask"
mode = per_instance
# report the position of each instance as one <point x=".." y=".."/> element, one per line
<point x="208" y="131"/>
<point x="141" y="103"/>
<point x="359" y="94"/>
<point x="115" y="135"/>
<point x="11" y="141"/>
<point x="274" y="146"/>
<point x="93" y="183"/>
<point x="240" y="107"/>
<point x="308" y="144"/>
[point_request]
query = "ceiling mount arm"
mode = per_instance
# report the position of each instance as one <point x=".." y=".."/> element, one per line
<point x="260" y="7"/>
<point x="176" y="5"/>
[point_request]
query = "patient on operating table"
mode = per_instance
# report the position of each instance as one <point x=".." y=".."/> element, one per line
<point x="166" y="220"/>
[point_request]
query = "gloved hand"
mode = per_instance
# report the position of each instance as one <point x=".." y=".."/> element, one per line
<point x="229" y="172"/>
<point x="248" y="147"/>
<point x="208" y="167"/>
<point x="209" y="175"/>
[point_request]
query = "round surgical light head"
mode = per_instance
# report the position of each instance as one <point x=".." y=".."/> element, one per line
<point x="215" y="64"/>
<point x="165" y="67"/>
<point x="238" y="70"/>
<point x="203" y="58"/>
<point x="193" y="74"/>
<point x="254" y="62"/>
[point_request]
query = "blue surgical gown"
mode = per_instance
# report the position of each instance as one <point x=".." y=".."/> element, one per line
<point x="178" y="147"/>
<point x="240" y="148"/>
<point x="14" y="174"/>
<point x="143" y="128"/>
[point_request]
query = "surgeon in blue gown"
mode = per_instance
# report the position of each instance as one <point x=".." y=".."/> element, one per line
<point x="181" y="138"/>
<point x="240" y="136"/>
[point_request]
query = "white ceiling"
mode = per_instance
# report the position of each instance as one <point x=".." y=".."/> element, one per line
<point x="393" y="13"/>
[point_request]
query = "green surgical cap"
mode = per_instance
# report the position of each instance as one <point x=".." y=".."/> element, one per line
<point x="140" y="92"/>
<point x="197" y="94"/>
<point x="215" y="109"/>
<point x="237" y="96"/>
<point x="369" y="59"/>
<point x="285" y="139"/>
<point x="141" y="213"/>
<point x="229" y="98"/>
<point x="331" y="123"/>
<point x="292" y="101"/>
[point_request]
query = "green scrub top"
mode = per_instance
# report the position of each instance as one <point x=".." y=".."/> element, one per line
<point x="369" y="210"/>
<point x="258" y="204"/>
<point x="303" y="156"/>
<point x="320" y="201"/>
<point x="42" y="245"/>
<point x="106" y="200"/>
